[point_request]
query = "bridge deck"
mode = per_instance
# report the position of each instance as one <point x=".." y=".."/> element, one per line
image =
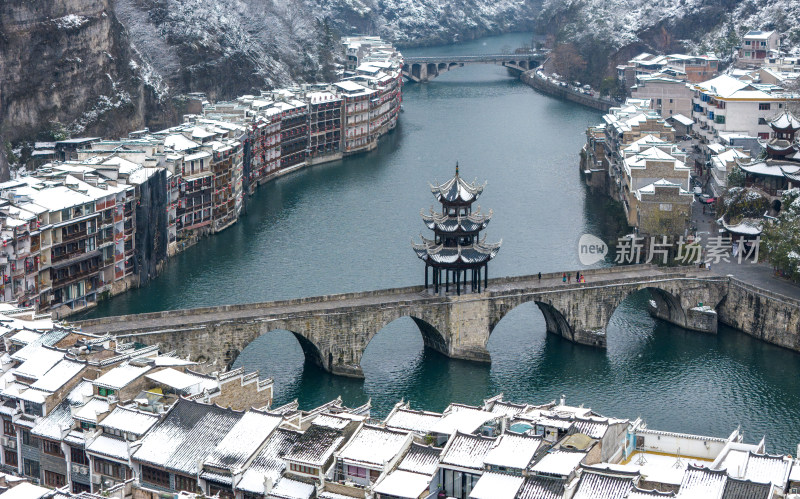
<point x="473" y="58"/>
<point x="160" y="321"/>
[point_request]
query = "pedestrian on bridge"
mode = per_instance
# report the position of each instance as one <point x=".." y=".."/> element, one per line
<point x="540" y="277"/>
<point x="569" y="278"/>
<point x="564" y="277"/>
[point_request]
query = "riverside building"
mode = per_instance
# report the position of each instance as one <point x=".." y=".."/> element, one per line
<point x="105" y="216"/>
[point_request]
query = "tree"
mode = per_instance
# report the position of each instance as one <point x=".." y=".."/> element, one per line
<point x="736" y="177"/>
<point x="781" y="237"/>
<point x="567" y="61"/>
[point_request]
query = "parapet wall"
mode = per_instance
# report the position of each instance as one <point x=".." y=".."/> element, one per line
<point x="530" y="79"/>
<point x="337" y="297"/>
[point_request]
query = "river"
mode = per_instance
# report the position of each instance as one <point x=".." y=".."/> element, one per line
<point x="346" y="226"/>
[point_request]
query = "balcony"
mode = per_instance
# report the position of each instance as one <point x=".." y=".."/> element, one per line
<point x="75" y="276"/>
<point x="81" y="234"/>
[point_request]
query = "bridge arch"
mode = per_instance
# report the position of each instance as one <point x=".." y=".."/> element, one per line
<point x="555" y="320"/>
<point x="248" y="333"/>
<point x="431" y="337"/>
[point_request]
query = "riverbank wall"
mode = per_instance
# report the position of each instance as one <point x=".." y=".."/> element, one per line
<point x="768" y="316"/>
<point x="553" y="89"/>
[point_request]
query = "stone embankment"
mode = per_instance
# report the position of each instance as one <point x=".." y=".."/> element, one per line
<point x="531" y="79"/>
<point x="760" y="313"/>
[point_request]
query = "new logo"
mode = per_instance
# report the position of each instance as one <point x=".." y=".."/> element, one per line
<point x="591" y="249"/>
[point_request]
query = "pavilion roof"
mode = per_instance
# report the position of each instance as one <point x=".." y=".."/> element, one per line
<point x="457" y="190"/>
<point x="448" y="223"/>
<point x="476" y="253"/>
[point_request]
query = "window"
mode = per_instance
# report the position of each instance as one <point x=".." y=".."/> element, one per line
<point x="27" y="439"/>
<point x="77" y="456"/>
<point x="658" y="101"/>
<point x="52" y="448"/>
<point x="356" y="471"/>
<point x="720" y="119"/>
<point x="747" y="42"/>
<point x="8" y="428"/>
<point x="110" y="468"/>
<point x="155" y="476"/>
<point x="104" y="392"/>
<point x="763" y="136"/>
<point x="763" y="106"/>
<point x="186" y="483"/>
<point x="87" y="426"/>
<point x="299" y="468"/>
<point x="55" y="480"/>
<point x="33" y="409"/>
<point x="77" y="488"/>
<point x="670" y="101"/>
<point x="30" y="468"/>
<point x="762" y="121"/>
<point x="10" y="457"/>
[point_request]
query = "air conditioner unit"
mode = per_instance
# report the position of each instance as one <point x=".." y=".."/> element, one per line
<point x="96" y="479"/>
<point x="12" y="443"/>
<point x="84" y="470"/>
<point x="4" y="440"/>
<point x="76" y="468"/>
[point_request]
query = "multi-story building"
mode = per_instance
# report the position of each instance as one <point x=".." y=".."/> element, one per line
<point x="325" y="126"/>
<point x="757" y="46"/>
<point x="356" y="116"/>
<point x="726" y="105"/>
<point x="667" y="96"/>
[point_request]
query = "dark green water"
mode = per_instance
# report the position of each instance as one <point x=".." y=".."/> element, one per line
<point x="346" y="227"/>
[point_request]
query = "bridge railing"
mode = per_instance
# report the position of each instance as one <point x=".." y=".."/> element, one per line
<point x="386" y="293"/>
<point x="473" y="58"/>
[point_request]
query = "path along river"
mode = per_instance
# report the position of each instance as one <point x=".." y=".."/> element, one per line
<point x="346" y="226"/>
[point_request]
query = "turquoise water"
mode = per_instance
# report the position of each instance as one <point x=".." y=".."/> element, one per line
<point x="346" y="226"/>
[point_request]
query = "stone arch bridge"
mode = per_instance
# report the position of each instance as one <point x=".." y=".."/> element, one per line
<point x="427" y="68"/>
<point x="335" y="330"/>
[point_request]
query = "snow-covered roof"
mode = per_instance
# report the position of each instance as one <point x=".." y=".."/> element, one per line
<point x="181" y="381"/>
<point x="332" y="421"/>
<point x="539" y="487"/>
<point x="423" y="459"/>
<point x="404" y="484"/>
<point x="417" y="421"/>
<point x="316" y="445"/>
<point x="601" y="486"/>
<point x="757" y="34"/>
<point x="243" y="440"/>
<point x="496" y="486"/>
<point x="465" y="421"/>
<point x="109" y="446"/>
<point x="558" y="463"/>
<point x="269" y="462"/>
<point x="683" y="120"/>
<point x="766" y="468"/>
<point x="374" y="446"/>
<point x="287" y="488"/>
<point x="91" y="409"/>
<point x="59" y="375"/>
<point x="59" y="419"/>
<point x="186" y="435"/>
<point x="129" y="420"/>
<point x="702" y="482"/>
<point x="37" y="360"/>
<point x="513" y="451"/>
<point x="26" y="490"/>
<point x="467" y="451"/>
<point x="120" y="376"/>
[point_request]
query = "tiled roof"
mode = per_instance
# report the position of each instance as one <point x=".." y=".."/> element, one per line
<point x="746" y="489"/>
<point x="269" y="461"/>
<point x="536" y="487"/>
<point x="416" y="421"/>
<point x="373" y="445"/>
<point x="599" y="486"/>
<point x="702" y="482"/>
<point x="467" y="451"/>
<point x="421" y="459"/>
<point x="50" y="426"/>
<point x="513" y="451"/>
<point x="316" y="445"/>
<point x="243" y="440"/>
<point x="129" y="420"/>
<point x="188" y="433"/>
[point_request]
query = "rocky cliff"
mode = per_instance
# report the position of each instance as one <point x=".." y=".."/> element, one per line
<point x="610" y="32"/>
<point x="109" y="66"/>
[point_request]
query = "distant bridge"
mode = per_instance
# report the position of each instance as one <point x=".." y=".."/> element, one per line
<point x="426" y="68"/>
<point x="334" y="330"/>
